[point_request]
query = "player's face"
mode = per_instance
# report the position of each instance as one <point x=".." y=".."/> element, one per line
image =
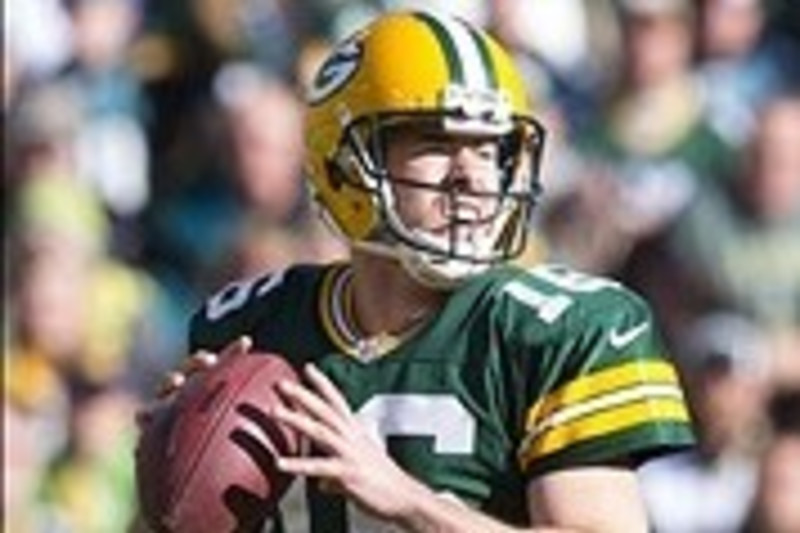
<point x="444" y="184"/>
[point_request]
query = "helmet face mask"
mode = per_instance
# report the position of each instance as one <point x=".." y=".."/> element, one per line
<point x="351" y="129"/>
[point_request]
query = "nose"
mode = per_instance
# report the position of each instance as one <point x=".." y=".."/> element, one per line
<point x="469" y="185"/>
<point x="468" y="170"/>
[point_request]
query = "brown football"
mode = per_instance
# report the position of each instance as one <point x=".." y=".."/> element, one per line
<point x="205" y="461"/>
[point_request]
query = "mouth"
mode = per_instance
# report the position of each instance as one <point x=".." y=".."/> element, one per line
<point x="467" y="225"/>
<point x="464" y="215"/>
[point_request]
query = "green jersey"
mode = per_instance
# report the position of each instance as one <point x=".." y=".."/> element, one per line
<point x="518" y="374"/>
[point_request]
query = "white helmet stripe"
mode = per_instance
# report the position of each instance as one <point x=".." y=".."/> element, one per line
<point x="467" y="64"/>
<point x="475" y="75"/>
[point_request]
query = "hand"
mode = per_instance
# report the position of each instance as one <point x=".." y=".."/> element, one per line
<point x="174" y="380"/>
<point x="355" y="462"/>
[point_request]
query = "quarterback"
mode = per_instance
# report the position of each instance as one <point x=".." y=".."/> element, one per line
<point x="445" y="388"/>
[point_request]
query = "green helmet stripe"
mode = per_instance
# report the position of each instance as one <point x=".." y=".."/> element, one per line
<point x="448" y="46"/>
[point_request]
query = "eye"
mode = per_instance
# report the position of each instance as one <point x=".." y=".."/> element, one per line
<point x="433" y="148"/>
<point x="487" y="151"/>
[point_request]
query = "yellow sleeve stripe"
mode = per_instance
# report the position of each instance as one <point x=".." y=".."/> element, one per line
<point x="641" y="407"/>
<point x="600" y="383"/>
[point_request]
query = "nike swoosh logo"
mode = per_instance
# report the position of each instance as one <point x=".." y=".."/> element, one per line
<point x="619" y="339"/>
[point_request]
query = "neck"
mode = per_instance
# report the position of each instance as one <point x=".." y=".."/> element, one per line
<point x="386" y="299"/>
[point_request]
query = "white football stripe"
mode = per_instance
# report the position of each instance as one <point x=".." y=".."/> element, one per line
<point x="605" y="401"/>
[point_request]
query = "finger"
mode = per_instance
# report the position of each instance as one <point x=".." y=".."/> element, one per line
<point x="203" y="359"/>
<point x="240" y="346"/>
<point x="317" y="467"/>
<point x="328" y="390"/>
<point x="314" y="405"/>
<point x="171" y="383"/>
<point x="322" y="435"/>
<point x="200" y="360"/>
<point x="148" y="412"/>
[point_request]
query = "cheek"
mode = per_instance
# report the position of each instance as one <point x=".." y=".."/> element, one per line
<point x="415" y="206"/>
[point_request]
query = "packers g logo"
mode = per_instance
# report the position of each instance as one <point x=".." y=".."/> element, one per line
<point x="336" y="71"/>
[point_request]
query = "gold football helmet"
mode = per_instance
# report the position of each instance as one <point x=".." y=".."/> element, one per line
<point x="417" y="66"/>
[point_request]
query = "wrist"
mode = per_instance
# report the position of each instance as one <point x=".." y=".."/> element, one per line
<point x="413" y="502"/>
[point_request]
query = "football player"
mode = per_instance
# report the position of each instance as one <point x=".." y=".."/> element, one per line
<point x="446" y="389"/>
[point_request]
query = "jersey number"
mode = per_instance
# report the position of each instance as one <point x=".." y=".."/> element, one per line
<point x="551" y="305"/>
<point x="439" y="416"/>
<point x="238" y="293"/>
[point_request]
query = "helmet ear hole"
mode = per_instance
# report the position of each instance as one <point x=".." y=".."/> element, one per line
<point x="336" y="174"/>
<point x="358" y="205"/>
<point x="346" y="201"/>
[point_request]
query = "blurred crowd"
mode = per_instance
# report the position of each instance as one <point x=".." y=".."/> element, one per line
<point x="154" y="151"/>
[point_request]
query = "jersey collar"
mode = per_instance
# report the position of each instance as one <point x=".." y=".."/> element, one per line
<point x="338" y="318"/>
<point x="336" y="308"/>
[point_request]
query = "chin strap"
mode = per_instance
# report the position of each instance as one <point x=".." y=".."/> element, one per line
<point x="437" y="273"/>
